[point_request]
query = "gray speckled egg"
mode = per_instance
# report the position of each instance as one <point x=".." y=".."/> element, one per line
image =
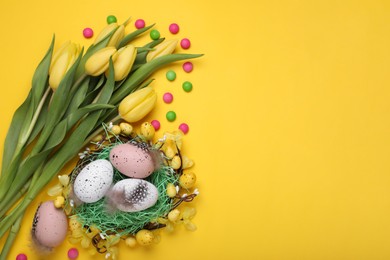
<point x="94" y="180"/>
<point x="132" y="195"/>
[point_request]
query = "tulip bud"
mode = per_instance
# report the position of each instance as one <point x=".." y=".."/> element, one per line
<point x="164" y="48"/>
<point x="61" y="62"/>
<point x="99" y="61"/>
<point x="124" y="60"/>
<point x="108" y="29"/>
<point x="117" y="37"/>
<point x="137" y="105"/>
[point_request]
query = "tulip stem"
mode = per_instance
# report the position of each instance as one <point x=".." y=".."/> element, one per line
<point x="36" y="114"/>
<point x="11" y="238"/>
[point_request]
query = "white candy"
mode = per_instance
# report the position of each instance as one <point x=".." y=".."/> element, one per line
<point x="132" y="195"/>
<point x="94" y="180"/>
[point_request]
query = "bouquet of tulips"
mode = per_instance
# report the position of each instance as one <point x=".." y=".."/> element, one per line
<point x="73" y="92"/>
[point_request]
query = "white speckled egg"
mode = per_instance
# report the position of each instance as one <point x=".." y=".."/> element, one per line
<point x="50" y="226"/>
<point x="94" y="180"/>
<point x="132" y="195"/>
<point x="132" y="160"/>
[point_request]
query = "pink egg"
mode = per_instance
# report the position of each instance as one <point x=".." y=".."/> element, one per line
<point x="88" y="33"/>
<point x="132" y="160"/>
<point x="185" y="43"/>
<point x="50" y="226"/>
<point x="168" y="98"/>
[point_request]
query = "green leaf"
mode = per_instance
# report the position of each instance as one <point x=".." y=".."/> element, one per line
<point x="131" y="36"/>
<point x="40" y="121"/>
<point x="78" y="97"/>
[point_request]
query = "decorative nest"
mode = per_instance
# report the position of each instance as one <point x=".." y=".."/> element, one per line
<point x="106" y="228"/>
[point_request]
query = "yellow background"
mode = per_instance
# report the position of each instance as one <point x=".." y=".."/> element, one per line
<point x="289" y="120"/>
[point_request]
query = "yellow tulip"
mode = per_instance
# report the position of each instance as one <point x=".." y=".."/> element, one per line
<point x="164" y="48"/>
<point x="61" y="62"/>
<point x="124" y="59"/>
<point x="108" y="29"/>
<point x="99" y="61"/>
<point x="117" y="37"/>
<point x="137" y="105"/>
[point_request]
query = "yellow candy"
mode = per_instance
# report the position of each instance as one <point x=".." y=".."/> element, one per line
<point x="131" y="242"/>
<point x="116" y="130"/>
<point x="59" y="202"/>
<point x="176" y="162"/>
<point x="187" y="180"/>
<point x="171" y="190"/>
<point x="147" y="130"/>
<point x="174" y="215"/>
<point x="144" y="237"/>
<point x="126" y="128"/>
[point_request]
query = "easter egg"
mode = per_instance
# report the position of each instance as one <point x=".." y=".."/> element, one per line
<point x="94" y="180"/>
<point x="132" y="195"/>
<point x="132" y="160"/>
<point x="50" y="226"/>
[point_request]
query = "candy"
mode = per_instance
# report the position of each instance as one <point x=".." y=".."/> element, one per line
<point x="156" y="124"/>
<point x="184" y="128"/>
<point x="88" y="33"/>
<point x="21" y="257"/>
<point x="171" y="75"/>
<point x="187" y="66"/>
<point x="139" y="24"/>
<point x="111" y="19"/>
<point x="171" y="116"/>
<point x="154" y="34"/>
<point x="185" y="43"/>
<point x="73" y="253"/>
<point x="187" y="86"/>
<point x="174" y="28"/>
<point x="168" y="98"/>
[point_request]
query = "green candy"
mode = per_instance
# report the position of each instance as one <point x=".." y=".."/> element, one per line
<point x="187" y="86"/>
<point x="171" y="75"/>
<point x="111" y="19"/>
<point x="171" y="116"/>
<point x="154" y="34"/>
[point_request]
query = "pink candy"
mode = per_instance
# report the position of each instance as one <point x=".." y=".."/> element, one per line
<point x="73" y="253"/>
<point x="185" y="43"/>
<point x="155" y="124"/>
<point x="187" y="66"/>
<point x="21" y="257"/>
<point x="174" y="28"/>
<point x="88" y="33"/>
<point x="139" y="24"/>
<point x="184" y="128"/>
<point x="168" y="98"/>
